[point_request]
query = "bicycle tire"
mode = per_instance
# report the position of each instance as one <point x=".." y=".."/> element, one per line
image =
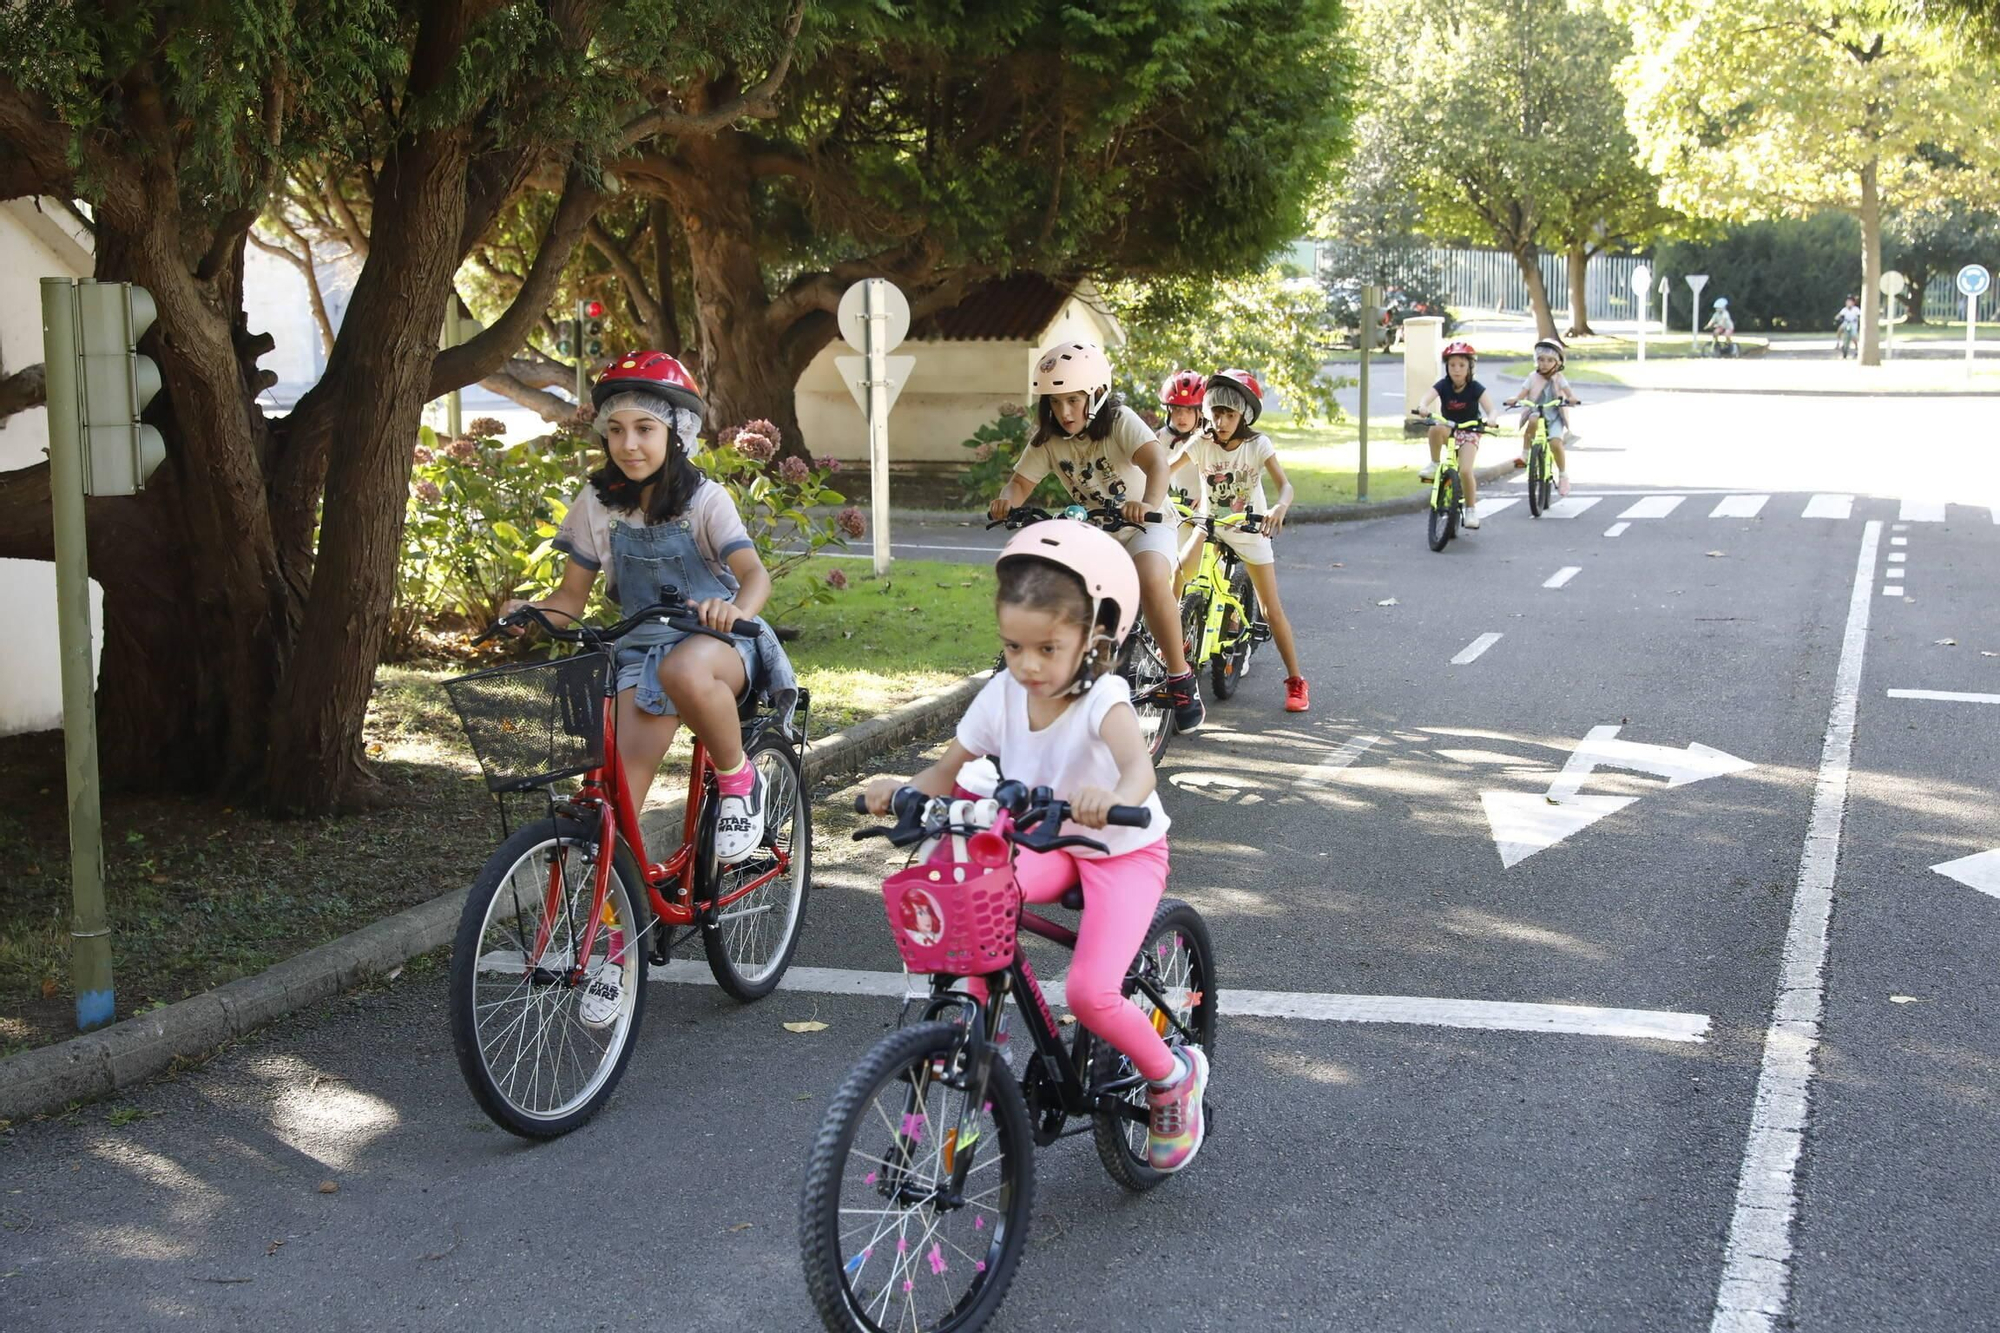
<point x="1139" y="662"/>
<point x="1443" y="520"/>
<point x="1121" y="1143"/>
<point x="499" y="1093"/>
<point x="728" y="935"/>
<point x="905" y="1057"/>
<point x="1194" y="627"/>
<point x="1232" y="663"/>
<point x="1535" y="479"/>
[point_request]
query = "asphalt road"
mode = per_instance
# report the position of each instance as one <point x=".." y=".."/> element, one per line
<point x="1409" y="1174"/>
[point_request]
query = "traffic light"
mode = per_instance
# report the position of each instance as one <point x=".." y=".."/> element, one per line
<point x="94" y="329"/>
<point x="566" y="337"/>
<point x="593" y="330"/>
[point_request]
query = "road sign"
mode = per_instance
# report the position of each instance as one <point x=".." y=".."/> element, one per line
<point x="1973" y="280"/>
<point x="1695" y="281"/>
<point x="853" y="315"/>
<point x="873" y="318"/>
<point x="1642" y="280"/>
<point x="1979" y="871"/>
<point x="1893" y="283"/>
<point x="1642" y="292"/>
<point x="1524" y="823"/>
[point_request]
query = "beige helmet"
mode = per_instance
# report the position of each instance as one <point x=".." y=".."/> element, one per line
<point x="1074" y="368"/>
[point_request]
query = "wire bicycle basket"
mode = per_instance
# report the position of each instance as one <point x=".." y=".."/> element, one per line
<point x="533" y="723"/>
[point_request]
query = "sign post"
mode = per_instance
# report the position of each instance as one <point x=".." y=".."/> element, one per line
<point x="1642" y="291"/>
<point x="874" y="317"/>
<point x="1973" y="280"/>
<point x="1893" y="285"/>
<point x="1696" y="281"/>
<point x="1371" y="298"/>
<point x="97" y="385"/>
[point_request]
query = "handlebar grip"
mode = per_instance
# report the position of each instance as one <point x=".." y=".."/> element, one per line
<point x="1129" y="816"/>
<point x="745" y="629"/>
<point x="861" y="804"/>
<point x="1154" y="517"/>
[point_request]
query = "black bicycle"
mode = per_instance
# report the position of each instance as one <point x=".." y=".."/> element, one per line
<point x="1140" y="661"/>
<point x="921" y="1181"/>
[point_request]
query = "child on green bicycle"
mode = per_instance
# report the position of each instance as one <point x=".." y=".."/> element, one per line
<point x="1460" y="398"/>
<point x="1233" y="460"/>
<point x="1547" y="384"/>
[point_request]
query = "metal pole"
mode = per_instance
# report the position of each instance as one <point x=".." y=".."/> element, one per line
<point x="452" y="417"/>
<point x="90" y="927"/>
<point x="878" y="420"/>
<point x="1370" y="298"/>
<point x="1971" y="323"/>
<point x="1889" y="340"/>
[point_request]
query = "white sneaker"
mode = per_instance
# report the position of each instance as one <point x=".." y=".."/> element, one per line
<point x="603" y="996"/>
<point x="1562" y="484"/>
<point x="1471" y="519"/>
<point x="739" y="824"/>
<point x="1571" y="439"/>
<point x="1428" y="472"/>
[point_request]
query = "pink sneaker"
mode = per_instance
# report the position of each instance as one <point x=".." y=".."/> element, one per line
<point x="1175" y="1131"/>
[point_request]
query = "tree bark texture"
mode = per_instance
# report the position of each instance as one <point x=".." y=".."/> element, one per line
<point x="1579" y="290"/>
<point x="1871" y="267"/>
<point x="1527" y="258"/>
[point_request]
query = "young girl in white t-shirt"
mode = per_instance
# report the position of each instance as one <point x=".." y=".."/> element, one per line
<point x="1233" y="460"/>
<point x="1058" y="718"/>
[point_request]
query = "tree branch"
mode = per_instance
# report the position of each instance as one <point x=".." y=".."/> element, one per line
<point x="759" y="102"/>
<point x="22" y="390"/>
<point x="619" y="256"/>
<point x="551" y="408"/>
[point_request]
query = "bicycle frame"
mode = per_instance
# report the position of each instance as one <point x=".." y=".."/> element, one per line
<point x="1448" y="464"/>
<point x="1212" y="580"/>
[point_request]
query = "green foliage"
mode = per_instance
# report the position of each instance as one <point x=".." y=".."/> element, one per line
<point x="777" y="500"/>
<point x="1782" y="273"/>
<point x="993" y="451"/>
<point x="1926" y="244"/>
<point x="1264" y="323"/>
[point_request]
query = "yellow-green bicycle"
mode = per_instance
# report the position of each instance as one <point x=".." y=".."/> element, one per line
<point x="1220" y="624"/>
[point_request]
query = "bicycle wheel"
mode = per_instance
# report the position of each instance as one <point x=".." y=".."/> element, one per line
<point x="1194" y="627"/>
<point x="916" y="1203"/>
<point x="1444" y="511"/>
<point x="1179" y="960"/>
<point x="532" y="1062"/>
<point x="1542" y="480"/>
<point x="1232" y="662"/>
<point x="750" y="941"/>
<point x="1141" y="666"/>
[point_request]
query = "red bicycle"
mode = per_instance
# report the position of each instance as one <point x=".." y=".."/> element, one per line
<point x="548" y="969"/>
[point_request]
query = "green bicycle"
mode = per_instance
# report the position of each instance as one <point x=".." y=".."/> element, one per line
<point x="1541" y="471"/>
<point x="1448" y="491"/>
<point x="1220" y="624"/>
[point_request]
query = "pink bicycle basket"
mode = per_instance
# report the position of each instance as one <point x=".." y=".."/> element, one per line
<point x="953" y="918"/>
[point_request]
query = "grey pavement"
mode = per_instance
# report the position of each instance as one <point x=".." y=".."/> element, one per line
<point x="1366" y="1175"/>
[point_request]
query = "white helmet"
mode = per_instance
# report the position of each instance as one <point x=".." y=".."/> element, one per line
<point x="1074" y="368"/>
<point x="1722" y="303"/>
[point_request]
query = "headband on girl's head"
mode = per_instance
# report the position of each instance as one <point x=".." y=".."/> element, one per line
<point x="681" y="424"/>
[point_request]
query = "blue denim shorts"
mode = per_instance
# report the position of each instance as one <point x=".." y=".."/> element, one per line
<point x="639" y="671"/>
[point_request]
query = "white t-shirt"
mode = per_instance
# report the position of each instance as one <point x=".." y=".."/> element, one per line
<point x="1175" y="447"/>
<point x="585" y="535"/>
<point x="1099" y="474"/>
<point x="1235" y="477"/>
<point x="1066" y="756"/>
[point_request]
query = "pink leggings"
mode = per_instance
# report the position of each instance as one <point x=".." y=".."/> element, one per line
<point x="1119" y="895"/>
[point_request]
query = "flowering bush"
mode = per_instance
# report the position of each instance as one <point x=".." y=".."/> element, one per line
<point x="994" y="449"/>
<point x="777" y="506"/>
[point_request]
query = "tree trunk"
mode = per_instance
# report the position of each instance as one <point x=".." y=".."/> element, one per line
<point x="1528" y="257"/>
<point x="1914" y="297"/>
<point x="1579" y="290"/>
<point x="1871" y="267"/>
<point x="660" y="218"/>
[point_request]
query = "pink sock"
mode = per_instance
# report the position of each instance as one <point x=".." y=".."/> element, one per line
<point x="739" y="782"/>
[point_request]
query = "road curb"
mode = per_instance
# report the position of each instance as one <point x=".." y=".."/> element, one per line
<point x="98" y="1064"/>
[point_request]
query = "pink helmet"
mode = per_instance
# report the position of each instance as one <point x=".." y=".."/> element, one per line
<point x="1074" y="368"/>
<point x="1094" y="556"/>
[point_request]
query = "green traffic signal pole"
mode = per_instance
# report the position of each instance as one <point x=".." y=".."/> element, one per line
<point x="90" y="926"/>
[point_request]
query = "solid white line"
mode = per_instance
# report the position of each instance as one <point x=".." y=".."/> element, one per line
<point x="1562" y="576"/>
<point x="1475" y="648"/>
<point x="1946" y="696"/>
<point x="1329" y="768"/>
<point x="1616" y="529"/>
<point x="1493" y="1015"/>
<point x="1757" y="1262"/>
<point x="1739" y="506"/>
<point x="1829" y="506"/>
<point x="1654" y="506"/>
<point x="1921" y="511"/>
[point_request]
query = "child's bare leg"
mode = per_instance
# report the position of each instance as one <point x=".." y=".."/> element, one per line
<point x="1264" y="578"/>
<point x="642" y="743"/>
<point x="703" y="677"/>
<point x="1163" y="612"/>
<point x="1468" y="464"/>
<point x="1437" y="444"/>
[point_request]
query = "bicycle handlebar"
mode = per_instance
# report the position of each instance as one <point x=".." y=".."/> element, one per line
<point x="1030" y="809"/>
<point x="673" y="613"/>
<point x="1111" y="520"/>
<point x="1552" y="402"/>
<point x="1475" y="427"/>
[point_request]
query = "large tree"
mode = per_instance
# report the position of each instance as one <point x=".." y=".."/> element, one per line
<point x="1748" y="108"/>
<point x="1926" y="244"/>
<point x="247" y="590"/>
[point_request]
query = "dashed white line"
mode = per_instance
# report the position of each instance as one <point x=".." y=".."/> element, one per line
<point x="1616" y="529"/>
<point x="1898" y="541"/>
<point x="1757" y="1262"/>
<point x="1946" y="696"/>
<point x="1654" y="506"/>
<point x="1898" y="557"/>
<point x="1739" y="506"/>
<point x="1346" y="753"/>
<point x="1829" y="506"/>
<point x="1475" y="648"/>
<point x="1892" y="590"/>
<point x="1562" y="576"/>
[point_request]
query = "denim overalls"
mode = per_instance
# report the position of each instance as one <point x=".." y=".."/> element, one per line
<point x="644" y="561"/>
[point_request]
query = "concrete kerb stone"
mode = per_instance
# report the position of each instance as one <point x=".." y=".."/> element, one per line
<point x="98" y="1064"/>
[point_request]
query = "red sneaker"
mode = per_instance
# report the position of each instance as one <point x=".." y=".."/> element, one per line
<point x="1297" y="697"/>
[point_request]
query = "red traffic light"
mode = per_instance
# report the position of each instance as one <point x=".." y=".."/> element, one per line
<point x="593" y="309"/>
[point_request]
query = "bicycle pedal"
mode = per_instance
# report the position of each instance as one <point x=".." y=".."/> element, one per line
<point x="1260" y="632"/>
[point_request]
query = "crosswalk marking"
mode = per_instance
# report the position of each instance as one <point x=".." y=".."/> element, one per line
<point x="1921" y="511"/>
<point x="1616" y="529"/>
<point x="1562" y="576"/>
<point x="1490" y="507"/>
<point x="1571" y="507"/>
<point x="1739" y="506"/>
<point x="1654" y="506"/>
<point x="1829" y="506"/>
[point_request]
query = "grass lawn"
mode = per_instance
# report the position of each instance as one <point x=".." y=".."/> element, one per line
<point x="202" y="892"/>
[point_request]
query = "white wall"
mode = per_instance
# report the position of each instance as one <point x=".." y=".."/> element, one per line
<point x="33" y="245"/>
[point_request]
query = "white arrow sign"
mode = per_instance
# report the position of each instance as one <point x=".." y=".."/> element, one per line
<point x="1979" y="871"/>
<point x="854" y="370"/>
<point x="1524" y="823"/>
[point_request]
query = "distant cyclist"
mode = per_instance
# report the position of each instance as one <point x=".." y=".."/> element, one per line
<point x="1460" y="398"/>
<point x="1547" y="384"/>
<point x="1848" y="326"/>
<point x="1722" y="329"/>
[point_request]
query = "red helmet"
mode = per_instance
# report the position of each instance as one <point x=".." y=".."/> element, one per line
<point x="1246" y="385"/>
<point x="1183" y="388"/>
<point x="1460" y="347"/>
<point x="655" y="373"/>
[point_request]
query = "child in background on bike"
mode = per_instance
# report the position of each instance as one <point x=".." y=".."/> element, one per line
<point x="1548" y="383"/>
<point x="1459" y="398"/>
<point x="1108" y="459"/>
<point x="1847" y="325"/>
<point x="1722" y="327"/>
<point x="1233" y="460"/>
<point x="649" y="519"/>
<point x="1059" y="717"/>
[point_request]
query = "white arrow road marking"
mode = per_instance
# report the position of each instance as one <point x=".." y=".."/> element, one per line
<point x="1979" y="871"/>
<point x="1494" y="1015"/>
<point x="1524" y="823"/>
<point x="1695" y="763"/>
<point x="1946" y="696"/>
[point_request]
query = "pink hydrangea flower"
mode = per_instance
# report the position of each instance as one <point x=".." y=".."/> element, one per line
<point x="423" y="455"/>
<point x="1012" y="410"/>
<point x="836" y="579"/>
<point x="428" y="492"/>
<point x="793" y="471"/>
<point x="752" y="445"/>
<point x="462" y="449"/>
<point x="982" y="453"/>
<point x="851" y="522"/>
<point x="764" y="428"/>
<point x="828" y="465"/>
<point x="486" y="428"/>
<point x="727" y="436"/>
